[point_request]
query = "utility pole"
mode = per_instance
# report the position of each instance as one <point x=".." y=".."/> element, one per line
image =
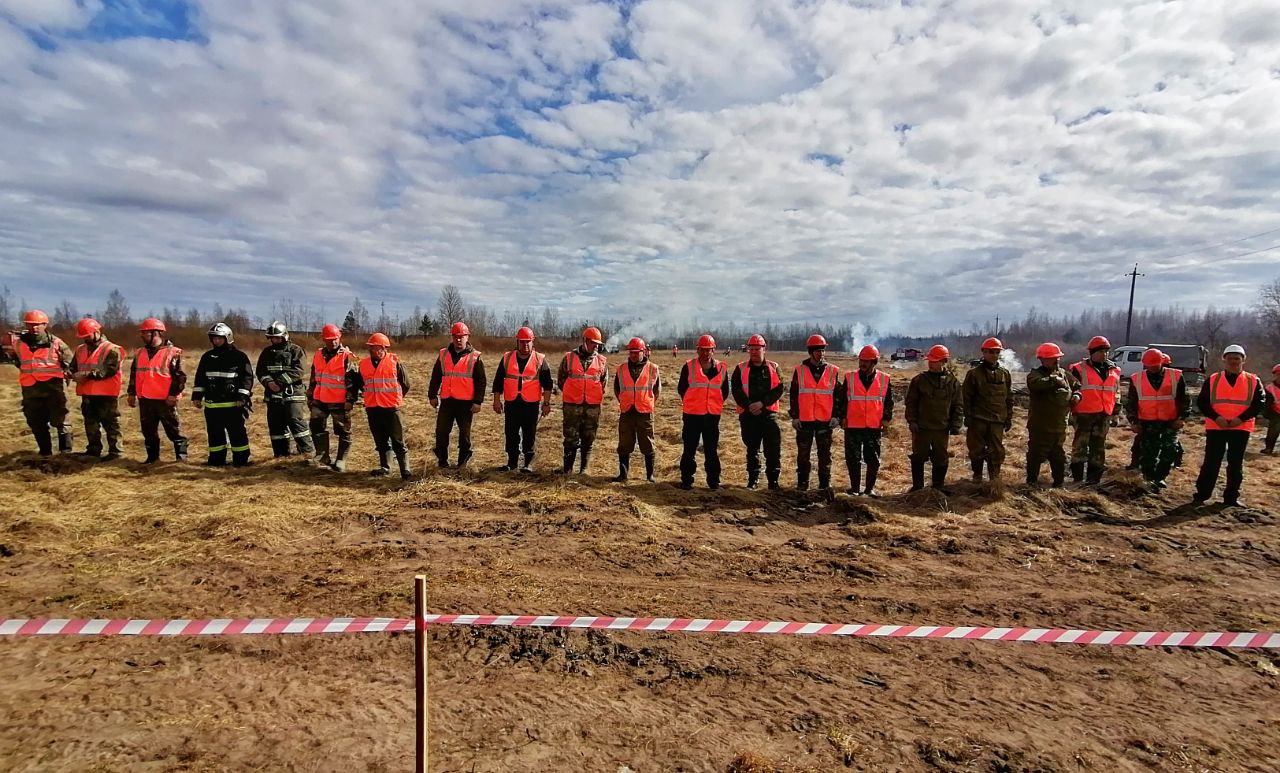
<point x="1133" y="283"/>
<point x="997" y="325"/>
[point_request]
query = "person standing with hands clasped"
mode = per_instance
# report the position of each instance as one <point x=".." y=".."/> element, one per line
<point x="1230" y="400"/>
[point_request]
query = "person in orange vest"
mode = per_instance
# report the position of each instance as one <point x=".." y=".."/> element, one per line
<point x="757" y="389"/>
<point x="865" y="405"/>
<point x="331" y="395"/>
<point x="383" y="381"/>
<point x="156" y="382"/>
<point x="637" y="385"/>
<point x="522" y="389"/>
<point x="223" y="391"/>
<point x="703" y="388"/>
<point x="813" y="394"/>
<point x="1230" y="401"/>
<point x="988" y="411"/>
<point x="44" y="365"/>
<point x="1273" y="412"/>
<point x="581" y="378"/>
<point x="98" y="370"/>
<point x="1156" y="406"/>
<point x="457" y="392"/>
<point x="934" y="411"/>
<point x="1099" y="379"/>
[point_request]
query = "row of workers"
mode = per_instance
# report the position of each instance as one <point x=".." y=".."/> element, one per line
<point x="938" y="405"/>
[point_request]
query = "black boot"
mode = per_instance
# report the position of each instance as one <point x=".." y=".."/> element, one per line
<point x="1058" y="469"/>
<point x="753" y="479"/>
<point x="939" y="481"/>
<point x="528" y="463"/>
<point x="153" y="452"/>
<point x="322" y="449"/>
<point x="976" y="466"/>
<point x="648" y="467"/>
<point x="584" y="460"/>
<point x="802" y="484"/>
<point x="855" y="479"/>
<point x="402" y="459"/>
<point x="44" y="441"/>
<point x="464" y="457"/>
<point x="872" y="471"/>
<point x="570" y="455"/>
<point x="340" y="459"/>
<point x="1093" y="474"/>
<point x="240" y="458"/>
<point x="917" y="475"/>
<point x="624" y="464"/>
<point x="217" y="458"/>
<point x="384" y="464"/>
<point x="180" y="450"/>
<point x="1077" y="472"/>
<point x="64" y="442"/>
<point x="1033" y="474"/>
<point x="993" y="470"/>
<point x="513" y="461"/>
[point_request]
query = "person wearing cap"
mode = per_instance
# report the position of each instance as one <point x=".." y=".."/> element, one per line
<point x="864" y="403"/>
<point x="156" y="383"/>
<point x="1156" y="406"/>
<point x="44" y="365"/>
<point x="1053" y="391"/>
<point x="280" y="368"/>
<point x="98" y="370"/>
<point x="457" y="392"/>
<point x="934" y="411"/>
<point x="988" y="411"/>
<point x="382" y="380"/>
<point x="331" y="396"/>
<point x="223" y="390"/>
<point x="1273" y="412"/>
<point x="757" y="388"/>
<point x="1099" y="379"/>
<point x="814" y="385"/>
<point x="703" y="389"/>
<point x="637" y="385"/>
<point x="581" y="380"/>
<point x="522" y="389"/>
<point x="1230" y="401"/>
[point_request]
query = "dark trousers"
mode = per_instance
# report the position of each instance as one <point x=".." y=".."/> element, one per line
<point x="285" y="419"/>
<point x="520" y="425"/>
<point x="1218" y="443"/>
<point x="635" y="428"/>
<point x="813" y="433"/>
<point x="704" y="429"/>
<point x="1273" y="433"/>
<point x="154" y="414"/>
<point x="387" y="429"/>
<point x="44" y="404"/>
<point x="226" y="430"/>
<point x="101" y="417"/>
<point x="321" y="413"/>
<point x="758" y="431"/>
<point x="862" y="445"/>
<point x="453" y="412"/>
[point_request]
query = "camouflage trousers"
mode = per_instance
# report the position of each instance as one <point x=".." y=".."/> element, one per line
<point x="1157" y="450"/>
<point x="1090" y="441"/>
<point x="580" y="425"/>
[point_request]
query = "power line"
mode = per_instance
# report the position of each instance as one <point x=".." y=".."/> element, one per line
<point x="1223" y="244"/>
<point x="1255" y="252"/>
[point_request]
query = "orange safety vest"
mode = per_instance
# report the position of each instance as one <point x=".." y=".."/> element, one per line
<point x="39" y="364"/>
<point x="85" y="362"/>
<point x="704" y="395"/>
<point x="583" y="385"/>
<point x="1157" y="404"/>
<point x="1274" y="391"/>
<point x="1097" y="395"/>
<point x="636" y="394"/>
<point x="152" y="378"/>
<point x="816" y="400"/>
<point x="330" y="377"/>
<point x="1231" y="400"/>
<point x="381" y="384"/>
<point x="523" y="384"/>
<point x="744" y="375"/>
<point x="457" y="383"/>
<point x="865" y="406"/>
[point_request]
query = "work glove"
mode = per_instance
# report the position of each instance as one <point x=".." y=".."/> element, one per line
<point x="198" y="403"/>
<point x="835" y="422"/>
<point x="475" y="408"/>
<point x="795" y="424"/>
<point x="435" y="402"/>
<point x="497" y="405"/>
<point x="171" y="400"/>
<point x="133" y="401"/>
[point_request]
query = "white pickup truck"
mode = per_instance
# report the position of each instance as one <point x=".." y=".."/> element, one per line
<point x="1189" y="358"/>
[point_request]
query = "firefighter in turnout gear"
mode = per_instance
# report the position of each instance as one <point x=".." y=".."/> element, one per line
<point x="44" y="365"/>
<point x="581" y="378"/>
<point x="1272" y="412"/>
<point x="223" y="390"/>
<point x="757" y="389"/>
<point x="457" y="392"/>
<point x="156" y="383"/>
<point x="384" y="383"/>
<point x="637" y="385"/>
<point x="280" y="369"/>
<point x="331" y="394"/>
<point x="98" y="369"/>
<point x="1156" y="406"/>
<point x="703" y="388"/>
<point x="934" y="410"/>
<point x="522" y="390"/>
<point x="1230" y="401"/>
<point x="1099" y="379"/>
<point x="1054" y="392"/>
<point x="864" y="404"/>
<point x="812" y="400"/>
<point x="988" y="410"/>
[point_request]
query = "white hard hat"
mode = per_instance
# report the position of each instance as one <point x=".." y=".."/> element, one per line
<point x="1234" y="349"/>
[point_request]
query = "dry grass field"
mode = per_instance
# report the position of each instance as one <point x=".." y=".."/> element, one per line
<point x="280" y="539"/>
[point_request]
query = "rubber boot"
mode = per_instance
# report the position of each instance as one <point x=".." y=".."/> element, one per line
<point x="1033" y="474"/>
<point x="240" y="458"/>
<point x="917" y="475"/>
<point x="322" y="449"/>
<point x="872" y="471"/>
<point x="824" y="482"/>
<point x="528" y="463"/>
<point x="217" y="458"/>
<point x="993" y="470"/>
<point x="64" y="442"/>
<point x="975" y="466"/>
<point x="855" y="479"/>
<point x="464" y="457"/>
<point x="1077" y="472"/>
<point x="939" y="480"/>
<point x="402" y="459"/>
<point x="340" y="458"/>
<point x="1093" y="475"/>
<point x="753" y="480"/>
<point x="569" y="456"/>
<point x="153" y="452"/>
<point x="180" y="450"/>
<point x="513" y="461"/>
<point x="113" y="453"/>
<point x="1059" y="471"/>
<point x="384" y="464"/>
<point x="624" y="463"/>
<point x="648" y="467"/>
<point x="584" y="460"/>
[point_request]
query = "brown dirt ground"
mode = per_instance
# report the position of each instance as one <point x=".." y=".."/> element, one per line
<point x="277" y="539"/>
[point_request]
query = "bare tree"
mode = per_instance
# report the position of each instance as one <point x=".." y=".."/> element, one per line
<point x="6" y="307"/>
<point x="117" y="311"/>
<point x="1268" y="308"/>
<point x="450" y="305"/>
<point x="65" y="315"/>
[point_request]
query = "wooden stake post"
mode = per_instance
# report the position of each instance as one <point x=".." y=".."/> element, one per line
<point x="420" y="667"/>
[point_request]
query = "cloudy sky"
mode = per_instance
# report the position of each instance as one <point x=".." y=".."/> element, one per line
<point x="909" y="165"/>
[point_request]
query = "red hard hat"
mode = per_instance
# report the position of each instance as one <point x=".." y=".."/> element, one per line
<point x="524" y="334"/>
<point x="592" y="334"/>
<point x="1048" y="350"/>
<point x="1152" y="357"/>
<point x="1165" y="359"/>
<point x="815" y="340"/>
<point x="938" y="353"/>
<point x="992" y="343"/>
<point x="330" y="333"/>
<point x="458" y="329"/>
<point x="87" y="327"/>
<point x="151" y="323"/>
<point x="1099" y="342"/>
<point x="380" y="339"/>
<point x="756" y="340"/>
<point x="706" y="342"/>
<point x="636" y="345"/>
<point x="1275" y="369"/>
<point x="869" y="352"/>
<point x="35" y="317"/>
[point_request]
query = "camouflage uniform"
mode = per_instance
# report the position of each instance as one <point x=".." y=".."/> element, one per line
<point x="934" y="410"/>
<point x="1051" y="391"/>
<point x="340" y="413"/>
<point x="1089" y="445"/>
<point x="1157" y="440"/>
<point x="44" y="403"/>
<point x="988" y="413"/>
<point x="101" y="412"/>
<point x="580" y="420"/>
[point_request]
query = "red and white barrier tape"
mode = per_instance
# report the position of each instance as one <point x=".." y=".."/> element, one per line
<point x="303" y="625"/>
